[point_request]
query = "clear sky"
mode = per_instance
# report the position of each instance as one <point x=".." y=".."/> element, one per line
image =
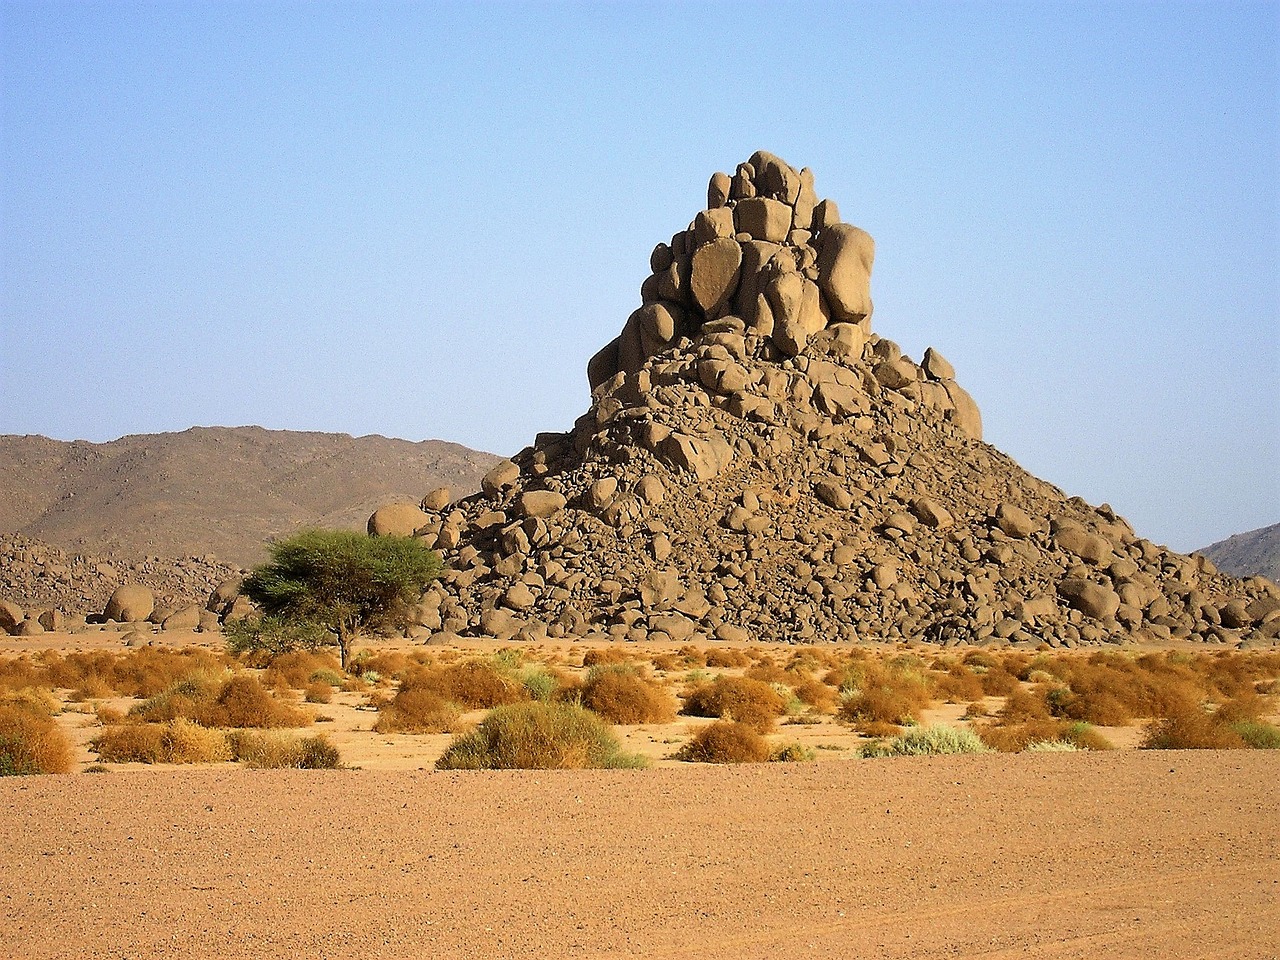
<point x="420" y="220"/>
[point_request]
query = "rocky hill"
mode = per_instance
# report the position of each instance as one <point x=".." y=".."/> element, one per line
<point x="1256" y="553"/>
<point x="756" y="464"/>
<point x="220" y="491"/>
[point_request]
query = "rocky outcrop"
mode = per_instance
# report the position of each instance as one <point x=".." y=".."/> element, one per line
<point x="757" y="464"/>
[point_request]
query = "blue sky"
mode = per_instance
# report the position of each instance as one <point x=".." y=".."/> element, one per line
<point x="420" y="220"/>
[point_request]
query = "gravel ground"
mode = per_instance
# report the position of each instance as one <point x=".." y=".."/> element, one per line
<point x="1123" y="854"/>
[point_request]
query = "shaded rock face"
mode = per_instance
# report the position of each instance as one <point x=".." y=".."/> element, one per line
<point x="757" y="464"/>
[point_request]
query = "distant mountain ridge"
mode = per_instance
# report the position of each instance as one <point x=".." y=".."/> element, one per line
<point x="1254" y="553"/>
<point x="215" y="490"/>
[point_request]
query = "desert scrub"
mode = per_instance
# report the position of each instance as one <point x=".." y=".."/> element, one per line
<point x="31" y="742"/>
<point x="1258" y="735"/>
<point x="1188" y="726"/>
<point x="276" y="750"/>
<point x="620" y="694"/>
<point x="894" y="692"/>
<point x="752" y="702"/>
<point x="1019" y="736"/>
<point x="792" y="753"/>
<point x="928" y="741"/>
<point x="726" y="741"/>
<point x="236" y="701"/>
<point x="537" y="736"/>
<point x="417" y="710"/>
<point x="173" y="741"/>
<point x="472" y="684"/>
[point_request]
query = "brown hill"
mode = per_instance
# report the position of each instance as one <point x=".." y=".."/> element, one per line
<point x="756" y="464"/>
<point x="1252" y="554"/>
<point x="214" y="490"/>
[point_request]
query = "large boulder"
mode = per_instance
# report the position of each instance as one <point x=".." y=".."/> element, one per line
<point x="397" y="520"/>
<point x="844" y="272"/>
<point x="763" y="218"/>
<point x="131" y="603"/>
<point x="1090" y="598"/>
<point x="714" y="275"/>
<point x="10" y="615"/>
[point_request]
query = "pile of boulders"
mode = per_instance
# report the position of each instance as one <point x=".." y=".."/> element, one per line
<point x="756" y="464"/>
<point x="44" y="588"/>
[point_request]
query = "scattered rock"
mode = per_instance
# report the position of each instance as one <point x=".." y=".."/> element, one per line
<point x="130" y="604"/>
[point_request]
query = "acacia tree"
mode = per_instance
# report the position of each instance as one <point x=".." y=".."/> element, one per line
<point x="343" y="581"/>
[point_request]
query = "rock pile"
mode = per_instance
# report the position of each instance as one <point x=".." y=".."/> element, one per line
<point x="43" y="587"/>
<point x="757" y="465"/>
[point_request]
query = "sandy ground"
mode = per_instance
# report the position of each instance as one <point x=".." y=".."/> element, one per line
<point x="1124" y="854"/>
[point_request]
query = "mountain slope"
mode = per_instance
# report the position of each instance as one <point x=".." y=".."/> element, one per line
<point x="219" y="490"/>
<point x="1255" y="553"/>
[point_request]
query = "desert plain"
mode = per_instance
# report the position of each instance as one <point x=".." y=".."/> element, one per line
<point x="1115" y="853"/>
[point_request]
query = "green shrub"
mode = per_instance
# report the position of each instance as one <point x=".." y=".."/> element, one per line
<point x="1258" y="735"/>
<point x="537" y="736"/>
<point x="791" y="753"/>
<point x="928" y="741"/>
<point x="1051" y="746"/>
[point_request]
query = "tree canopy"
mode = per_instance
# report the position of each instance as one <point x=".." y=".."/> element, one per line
<point x="343" y="581"/>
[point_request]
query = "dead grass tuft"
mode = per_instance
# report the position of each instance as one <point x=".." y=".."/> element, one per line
<point x="277" y="750"/>
<point x="751" y="702"/>
<point x="417" y="710"/>
<point x="726" y="658"/>
<point x="537" y="736"/>
<point x="726" y="742"/>
<point x="174" y="741"/>
<point x="1189" y="726"/>
<point x="620" y="694"/>
<point x="31" y="742"/>
<point x="472" y="684"/>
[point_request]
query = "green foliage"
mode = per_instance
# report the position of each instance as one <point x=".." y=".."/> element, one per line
<point x="928" y="741"/>
<point x="537" y="736"/>
<point x="343" y="581"/>
<point x="1258" y="735"/>
<point x="275" y="636"/>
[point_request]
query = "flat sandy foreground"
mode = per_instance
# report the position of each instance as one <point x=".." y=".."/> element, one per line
<point x="1085" y="855"/>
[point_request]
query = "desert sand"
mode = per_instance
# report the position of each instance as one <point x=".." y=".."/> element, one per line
<point x="1123" y="854"/>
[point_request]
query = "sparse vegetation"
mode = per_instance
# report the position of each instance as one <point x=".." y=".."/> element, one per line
<point x="726" y="741"/>
<point x="345" y="582"/>
<point x="276" y="749"/>
<point x="534" y="736"/>
<point x="417" y="710"/>
<point x="928" y="741"/>
<point x="747" y="701"/>
<point x="620" y="694"/>
<point x="31" y="742"/>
